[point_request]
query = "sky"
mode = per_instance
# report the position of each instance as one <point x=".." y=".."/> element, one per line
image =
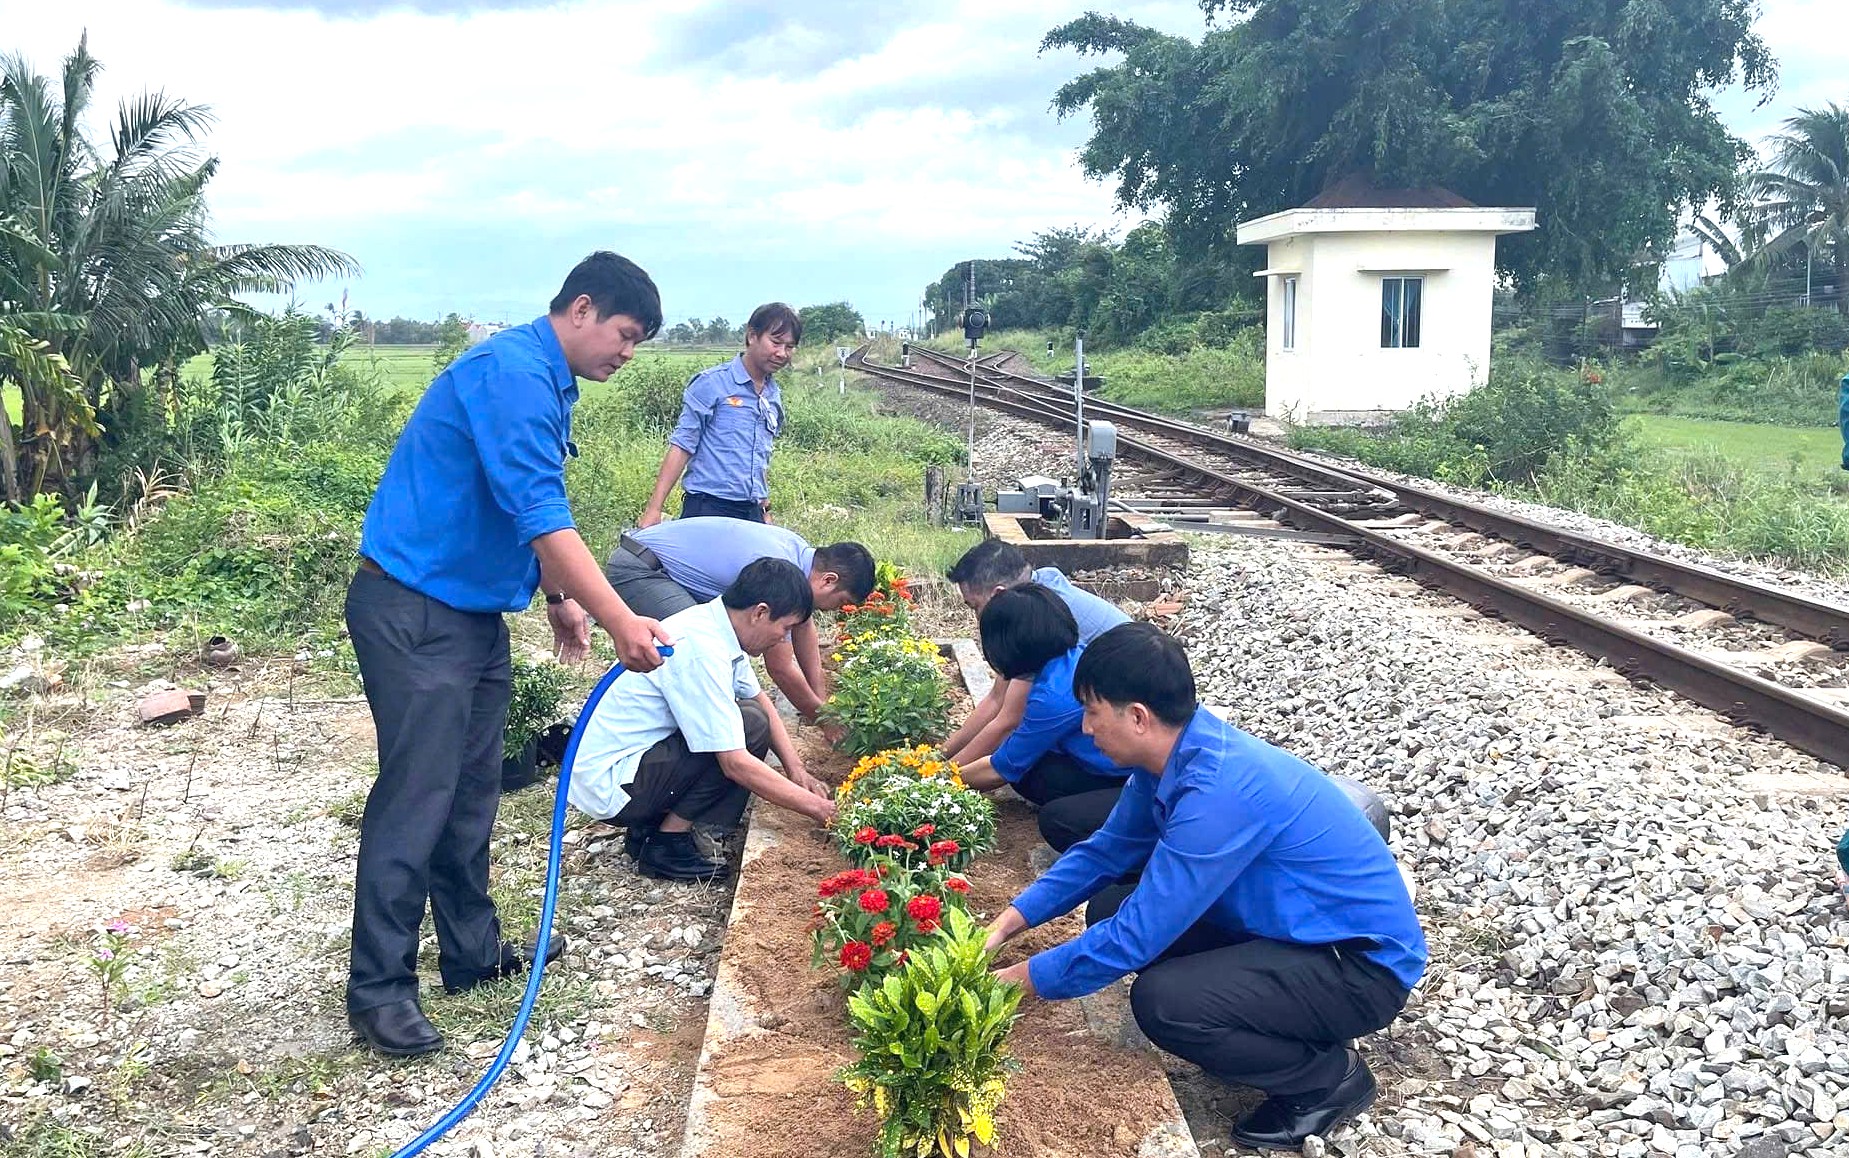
<point x="468" y="152"/>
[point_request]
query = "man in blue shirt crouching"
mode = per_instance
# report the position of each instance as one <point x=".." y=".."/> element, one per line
<point x="1269" y="925"/>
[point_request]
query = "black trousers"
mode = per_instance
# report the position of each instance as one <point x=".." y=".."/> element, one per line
<point x="690" y="784"/>
<point x="437" y="681"/>
<point x="1058" y="775"/>
<point x="695" y="505"/>
<point x="1257" y="1012"/>
<point x="1069" y="819"/>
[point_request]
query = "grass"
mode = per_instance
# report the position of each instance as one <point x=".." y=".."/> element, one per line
<point x="1780" y="449"/>
<point x="1204" y="378"/>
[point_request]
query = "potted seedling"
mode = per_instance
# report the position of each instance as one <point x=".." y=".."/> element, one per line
<point x="539" y="687"/>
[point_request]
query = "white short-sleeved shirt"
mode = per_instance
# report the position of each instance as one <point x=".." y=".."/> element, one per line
<point x="694" y="692"/>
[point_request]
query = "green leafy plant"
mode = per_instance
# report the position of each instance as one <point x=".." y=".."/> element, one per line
<point x="932" y="1038"/>
<point x="539" y="689"/>
<point x="109" y="959"/>
<point x="945" y="822"/>
<point x="869" y="919"/>
<point x="887" y="697"/>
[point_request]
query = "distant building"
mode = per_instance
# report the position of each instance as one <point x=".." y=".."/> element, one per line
<point x="482" y="331"/>
<point x="1376" y="298"/>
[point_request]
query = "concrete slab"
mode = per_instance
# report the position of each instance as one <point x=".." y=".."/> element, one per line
<point x="1135" y="541"/>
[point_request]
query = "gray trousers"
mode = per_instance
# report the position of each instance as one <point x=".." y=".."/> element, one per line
<point x="691" y="784"/>
<point x="644" y="586"/>
<point x="437" y="681"/>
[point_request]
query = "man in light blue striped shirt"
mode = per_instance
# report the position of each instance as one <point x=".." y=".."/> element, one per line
<point x="991" y="567"/>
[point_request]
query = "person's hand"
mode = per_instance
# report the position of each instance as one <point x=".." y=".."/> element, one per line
<point x="1004" y="927"/>
<point x="635" y="638"/>
<point x="822" y="809"/>
<point x="834" y="733"/>
<point x="571" y="631"/>
<point x="648" y="519"/>
<point x="767" y="519"/>
<point x="1018" y="975"/>
<point x="811" y="785"/>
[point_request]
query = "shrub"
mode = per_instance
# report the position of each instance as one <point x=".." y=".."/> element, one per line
<point x="539" y="687"/>
<point x="932" y="1038"/>
<point x="888" y="698"/>
<point x="896" y="810"/>
<point x="869" y="919"/>
<point x="881" y="616"/>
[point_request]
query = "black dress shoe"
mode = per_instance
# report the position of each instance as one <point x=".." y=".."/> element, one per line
<point x="634" y="837"/>
<point x="673" y="856"/>
<point x="396" y="1029"/>
<point x="514" y="961"/>
<point x="1283" y="1123"/>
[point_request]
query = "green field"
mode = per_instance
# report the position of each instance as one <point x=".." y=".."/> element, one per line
<point x="1800" y="450"/>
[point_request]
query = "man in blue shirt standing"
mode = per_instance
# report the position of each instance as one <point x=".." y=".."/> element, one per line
<point x="671" y="566"/>
<point x="469" y="519"/>
<point x="1269" y="925"/>
<point x="984" y="571"/>
<point x="730" y="418"/>
<point x="1842" y="416"/>
<point x="1029" y="636"/>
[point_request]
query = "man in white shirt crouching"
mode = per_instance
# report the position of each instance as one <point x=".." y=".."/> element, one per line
<point x="684" y="744"/>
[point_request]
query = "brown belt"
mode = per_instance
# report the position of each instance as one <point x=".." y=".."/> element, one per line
<point x="368" y="565"/>
<point x="649" y="558"/>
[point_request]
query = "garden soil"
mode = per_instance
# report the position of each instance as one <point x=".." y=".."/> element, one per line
<point x="1075" y="1094"/>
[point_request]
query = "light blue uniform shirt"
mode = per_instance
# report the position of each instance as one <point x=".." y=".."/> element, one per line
<point x="729" y="429"/>
<point x="704" y="555"/>
<point x="1242" y="834"/>
<point x="1095" y="616"/>
<point x="477" y="474"/>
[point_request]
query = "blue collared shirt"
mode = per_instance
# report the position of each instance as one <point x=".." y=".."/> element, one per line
<point x="1241" y="833"/>
<point x="1051" y="722"/>
<point x="478" y="473"/>
<point x="729" y="429"/>
<point x="704" y="555"/>
<point x="1094" y="616"/>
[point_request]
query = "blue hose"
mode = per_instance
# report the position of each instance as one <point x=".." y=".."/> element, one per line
<point x="471" y="1099"/>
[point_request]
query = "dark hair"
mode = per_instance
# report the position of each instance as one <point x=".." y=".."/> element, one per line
<point x="776" y="318"/>
<point x="990" y="563"/>
<point x="1024" y="628"/>
<point x="851" y="563"/>
<point x="615" y="285"/>
<point x="777" y="583"/>
<point x="1135" y="663"/>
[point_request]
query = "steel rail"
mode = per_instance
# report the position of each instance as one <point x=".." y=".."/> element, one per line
<point x="1802" y="721"/>
<point x="1799" y="614"/>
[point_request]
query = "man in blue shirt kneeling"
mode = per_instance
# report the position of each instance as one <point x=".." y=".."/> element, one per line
<point x="1269" y="925"/>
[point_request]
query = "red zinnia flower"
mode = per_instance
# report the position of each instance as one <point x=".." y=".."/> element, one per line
<point x="867" y="835"/>
<point x="884" y="932"/>
<point x="943" y="850"/>
<point x="924" y="830"/>
<point x="856" y="955"/>
<point x="957" y="885"/>
<point x="874" y="901"/>
<point x="924" y="907"/>
<point x="891" y="841"/>
<point x="927" y="926"/>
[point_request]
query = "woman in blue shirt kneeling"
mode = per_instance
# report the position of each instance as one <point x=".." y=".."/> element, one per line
<point x="1269" y="925"/>
<point x="1028" y="633"/>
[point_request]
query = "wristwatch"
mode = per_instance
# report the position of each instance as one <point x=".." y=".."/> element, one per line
<point x="555" y="597"/>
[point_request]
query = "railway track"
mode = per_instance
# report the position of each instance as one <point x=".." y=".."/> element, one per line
<point x="1766" y="658"/>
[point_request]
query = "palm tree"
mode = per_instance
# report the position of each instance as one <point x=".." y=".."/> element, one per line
<point x="107" y="266"/>
<point x="1802" y="196"/>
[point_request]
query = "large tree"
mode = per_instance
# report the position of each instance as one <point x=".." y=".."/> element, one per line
<point x="107" y="265"/>
<point x="1595" y="111"/>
